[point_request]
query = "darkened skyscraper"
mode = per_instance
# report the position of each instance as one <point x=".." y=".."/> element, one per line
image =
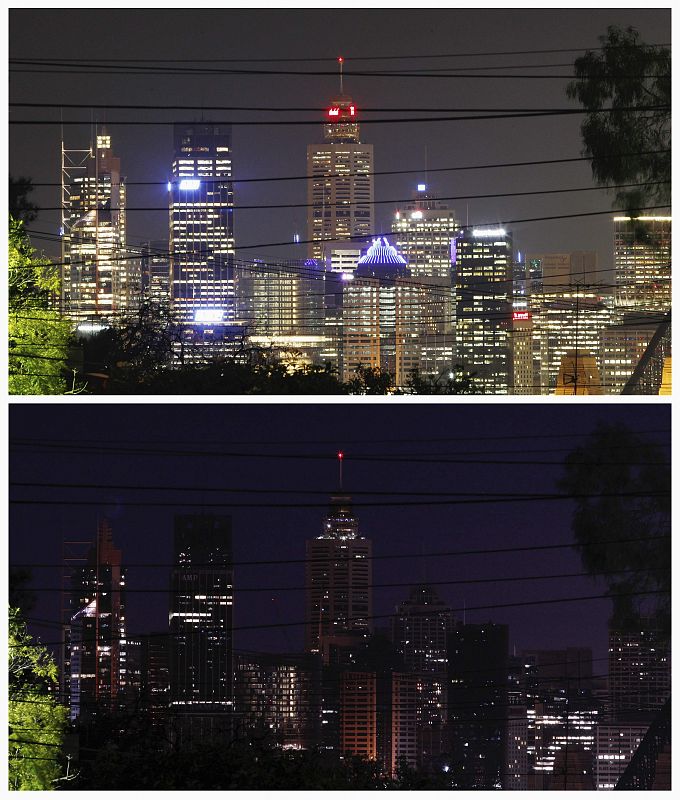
<point x="97" y="631"/>
<point x="340" y="185"/>
<point x="201" y="670"/>
<point x="338" y="581"/>
<point x="201" y="200"/>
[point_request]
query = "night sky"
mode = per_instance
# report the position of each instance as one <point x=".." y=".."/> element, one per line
<point x="266" y="151"/>
<point x="296" y="445"/>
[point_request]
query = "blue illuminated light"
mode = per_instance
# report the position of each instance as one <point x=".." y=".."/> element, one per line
<point x="189" y="184"/>
<point x="208" y="315"/>
<point x="421" y="187"/>
<point x="381" y="252"/>
<point x="169" y="186"/>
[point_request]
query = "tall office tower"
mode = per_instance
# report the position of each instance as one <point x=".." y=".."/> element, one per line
<point x="387" y="314"/>
<point x="561" y="713"/>
<point x="340" y="181"/>
<point x="201" y="201"/>
<point x="572" y="321"/>
<point x="425" y="232"/>
<point x="156" y="677"/>
<point x="615" y="746"/>
<point x="97" y="630"/>
<point x="419" y="630"/>
<point x="155" y="270"/>
<point x="278" y="698"/>
<point x="98" y="283"/>
<point x="642" y="263"/>
<point x="639" y="672"/>
<point x="484" y="307"/>
<point x="558" y="273"/>
<point x="477" y="699"/>
<point x="524" y="367"/>
<point x="201" y="608"/>
<point x="358" y="721"/>
<point x="622" y="345"/>
<point x="338" y="582"/>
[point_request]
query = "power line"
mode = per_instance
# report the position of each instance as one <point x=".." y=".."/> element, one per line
<point x="189" y="206"/>
<point x="299" y="122"/>
<point x="373" y="557"/>
<point x="405" y="171"/>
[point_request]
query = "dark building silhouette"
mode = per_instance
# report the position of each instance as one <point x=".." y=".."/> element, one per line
<point x="477" y="698"/>
<point x="201" y="652"/>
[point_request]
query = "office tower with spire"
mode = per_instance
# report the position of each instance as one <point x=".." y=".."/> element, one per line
<point x="96" y="632"/>
<point x="340" y="179"/>
<point x="98" y="283"/>
<point x="338" y="581"/>
<point x="483" y="279"/>
<point x="201" y="609"/>
<point x="201" y="202"/>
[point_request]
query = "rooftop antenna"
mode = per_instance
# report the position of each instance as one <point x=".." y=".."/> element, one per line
<point x="341" y="455"/>
<point x="341" y="61"/>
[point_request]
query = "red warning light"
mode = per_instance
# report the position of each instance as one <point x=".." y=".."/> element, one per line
<point x="341" y="455"/>
<point x="340" y="59"/>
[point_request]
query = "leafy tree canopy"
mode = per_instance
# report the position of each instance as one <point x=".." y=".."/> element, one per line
<point x="621" y="485"/>
<point x="36" y="721"/>
<point x="631" y="143"/>
<point x="38" y="336"/>
<point x="20" y="207"/>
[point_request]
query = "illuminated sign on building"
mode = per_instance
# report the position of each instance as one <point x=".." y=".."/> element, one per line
<point x="520" y="315"/>
<point x="208" y="315"/>
<point x="480" y="232"/>
<point x="350" y="111"/>
<point x="189" y="184"/>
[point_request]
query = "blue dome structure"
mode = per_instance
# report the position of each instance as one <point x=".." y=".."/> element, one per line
<point x="382" y="261"/>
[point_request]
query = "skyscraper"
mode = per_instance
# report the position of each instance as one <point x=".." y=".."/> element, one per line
<point x="201" y="201"/>
<point x="340" y="181"/>
<point x="98" y="283"/>
<point x="483" y="277"/>
<point x="97" y="630"/>
<point x="338" y="581"/>
<point x="201" y="607"/>
<point x="642" y="263"/>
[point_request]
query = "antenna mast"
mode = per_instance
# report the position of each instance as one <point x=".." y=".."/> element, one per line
<point x="341" y="61"/>
<point x="341" y="455"/>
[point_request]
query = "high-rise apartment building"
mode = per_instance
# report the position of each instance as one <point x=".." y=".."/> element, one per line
<point x="201" y="202"/>
<point x="338" y="581"/>
<point x="98" y="283"/>
<point x="358" y="718"/>
<point x="642" y="263"/>
<point x="340" y="181"/>
<point x="483" y="281"/>
<point x="201" y="609"/>
<point x="96" y="634"/>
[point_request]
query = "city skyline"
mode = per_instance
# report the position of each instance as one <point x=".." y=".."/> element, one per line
<point x="421" y="148"/>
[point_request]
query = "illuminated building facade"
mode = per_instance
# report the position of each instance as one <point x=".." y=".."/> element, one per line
<point x="615" y="745"/>
<point x="358" y="719"/>
<point x="639" y="672"/>
<point x="277" y="698"/>
<point x="621" y="348"/>
<point x="425" y="232"/>
<point x="387" y="315"/>
<point x="340" y="185"/>
<point x="578" y="374"/>
<point x="201" y="654"/>
<point x="201" y="202"/>
<point x="524" y="372"/>
<point x="155" y="271"/>
<point x="338" y="581"/>
<point x="642" y="263"/>
<point x="483" y="281"/>
<point x="97" y="280"/>
<point x="97" y="631"/>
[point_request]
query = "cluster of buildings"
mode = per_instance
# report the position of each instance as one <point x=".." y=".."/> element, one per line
<point x="431" y="295"/>
<point x="427" y="689"/>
